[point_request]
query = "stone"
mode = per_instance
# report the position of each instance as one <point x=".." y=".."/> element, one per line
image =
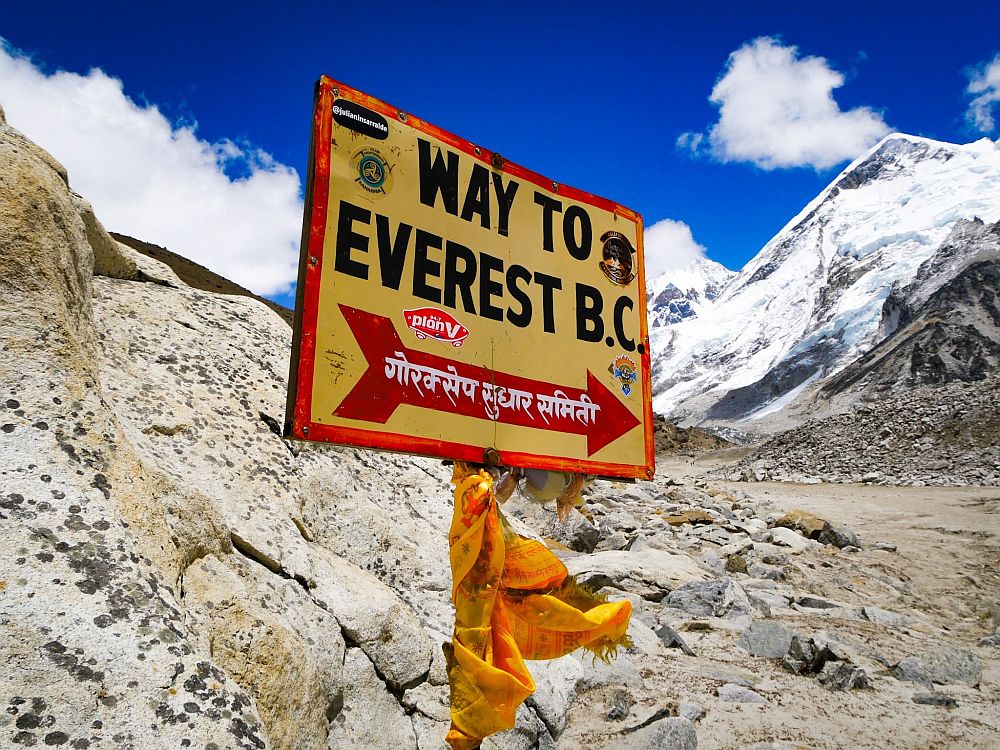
<point x="528" y="733"/>
<point x="556" y="681"/>
<point x="576" y="532"/>
<point x="692" y="516"/>
<point x="807" y="524"/>
<point x="884" y="617"/>
<point x="812" y="602"/>
<point x="722" y="597"/>
<point x="786" y="537"/>
<point x="912" y="669"/>
<point x="672" y="639"/>
<point x="370" y="715"/>
<point x="840" y="675"/>
<point x="91" y="575"/>
<point x="374" y="618"/>
<point x="884" y="547"/>
<point x="767" y="639"/>
<point x="691" y="711"/>
<point x="732" y="693"/>
<point x="736" y="564"/>
<point x="839" y="536"/>
<point x="990" y="640"/>
<point x="814" y="527"/>
<point x="432" y="701"/>
<point x="293" y="676"/>
<point x="620" y="706"/>
<point x="769" y="572"/>
<point x="616" y="540"/>
<point x="672" y="733"/>
<point x="948" y="665"/>
<point x="935" y="699"/>
<point x="649" y="572"/>
<point x="766" y="601"/>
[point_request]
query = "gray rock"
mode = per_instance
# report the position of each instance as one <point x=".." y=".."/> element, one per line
<point x="946" y="666"/>
<point x="616" y="540"/>
<point x="884" y="547"/>
<point x="691" y="711"/>
<point x="785" y="537"/>
<point x="732" y="693"/>
<point x="990" y="640"/>
<point x="529" y="733"/>
<point x="839" y="536"/>
<point x="576" y="532"/>
<point x="766" y="639"/>
<point x="801" y="656"/>
<point x="672" y="639"/>
<point x="912" y="669"/>
<point x="95" y="610"/>
<point x="722" y="597"/>
<point x="620" y="706"/>
<point x="949" y="665"/>
<point x="371" y="716"/>
<point x="768" y="572"/>
<point x="668" y="734"/>
<point x="812" y="602"/>
<point x="840" y="675"/>
<point x="556" y="683"/>
<point x="884" y="617"/>
<point x="935" y="699"/>
<point x="651" y="573"/>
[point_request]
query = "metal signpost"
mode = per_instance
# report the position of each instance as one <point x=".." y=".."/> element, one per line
<point x="454" y="304"/>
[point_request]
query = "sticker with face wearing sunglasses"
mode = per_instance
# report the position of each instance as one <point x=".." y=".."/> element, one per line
<point x="617" y="262"/>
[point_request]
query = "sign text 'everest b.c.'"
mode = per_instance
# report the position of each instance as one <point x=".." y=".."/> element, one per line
<point x="476" y="282"/>
<point x="417" y="238"/>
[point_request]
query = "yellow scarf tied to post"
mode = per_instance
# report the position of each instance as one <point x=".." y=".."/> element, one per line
<point x="514" y="600"/>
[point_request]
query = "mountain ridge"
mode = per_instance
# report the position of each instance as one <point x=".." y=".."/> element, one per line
<point x="810" y="302"/>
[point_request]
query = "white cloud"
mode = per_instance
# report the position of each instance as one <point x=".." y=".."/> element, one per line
<point x="776" y="110"/>
<point x="669" y="245"/>
<point x="984" y="86"/>
<point x="157" y="182"/>
<point x="690" y="141"/>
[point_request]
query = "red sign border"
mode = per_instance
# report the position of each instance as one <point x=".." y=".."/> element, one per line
<point x="298" y="424"/>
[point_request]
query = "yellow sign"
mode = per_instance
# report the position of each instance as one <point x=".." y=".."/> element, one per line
<point x="451" y="302"/>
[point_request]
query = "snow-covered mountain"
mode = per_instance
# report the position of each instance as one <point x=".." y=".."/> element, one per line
<point x="811" y="301"/>
<point x="684" y="292"/>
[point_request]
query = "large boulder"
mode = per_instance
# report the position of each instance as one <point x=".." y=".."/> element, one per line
<point x="94" y="635"/>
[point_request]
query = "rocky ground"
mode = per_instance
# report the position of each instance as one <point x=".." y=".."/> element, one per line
<point x="777" y="640"/>
<point x="174" y="574"/>
<point x="931" y="435"/>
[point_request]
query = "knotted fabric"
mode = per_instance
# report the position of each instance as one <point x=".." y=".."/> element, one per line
<point x="514" y="600"/>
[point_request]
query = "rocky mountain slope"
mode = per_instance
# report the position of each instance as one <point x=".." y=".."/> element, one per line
<point x="942" y="326"/>
<point x="922" y="406"/>
<point x="174" y="574"/>
<point x="196" y="275"/>
<point x="811" y="302"/>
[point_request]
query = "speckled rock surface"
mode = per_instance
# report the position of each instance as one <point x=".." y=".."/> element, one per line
<point x="91" y="630"/>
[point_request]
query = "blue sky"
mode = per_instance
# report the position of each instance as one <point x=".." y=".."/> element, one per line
<point x="592" y="95"/>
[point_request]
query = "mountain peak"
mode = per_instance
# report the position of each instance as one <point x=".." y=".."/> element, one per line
<point x="684" y="292"/>
<point x="810" y="302"/>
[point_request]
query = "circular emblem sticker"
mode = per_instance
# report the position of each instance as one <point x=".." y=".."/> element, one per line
<point x="617" y="262"/>
<point x="374" y="172"/>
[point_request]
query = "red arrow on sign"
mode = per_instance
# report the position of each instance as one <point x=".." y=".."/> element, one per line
<point x="397" y="375"/>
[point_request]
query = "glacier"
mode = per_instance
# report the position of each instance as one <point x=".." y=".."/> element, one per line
<point x="810" y="301"/>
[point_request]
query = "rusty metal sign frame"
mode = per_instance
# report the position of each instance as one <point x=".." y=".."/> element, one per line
<point x="299" y="424"/>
